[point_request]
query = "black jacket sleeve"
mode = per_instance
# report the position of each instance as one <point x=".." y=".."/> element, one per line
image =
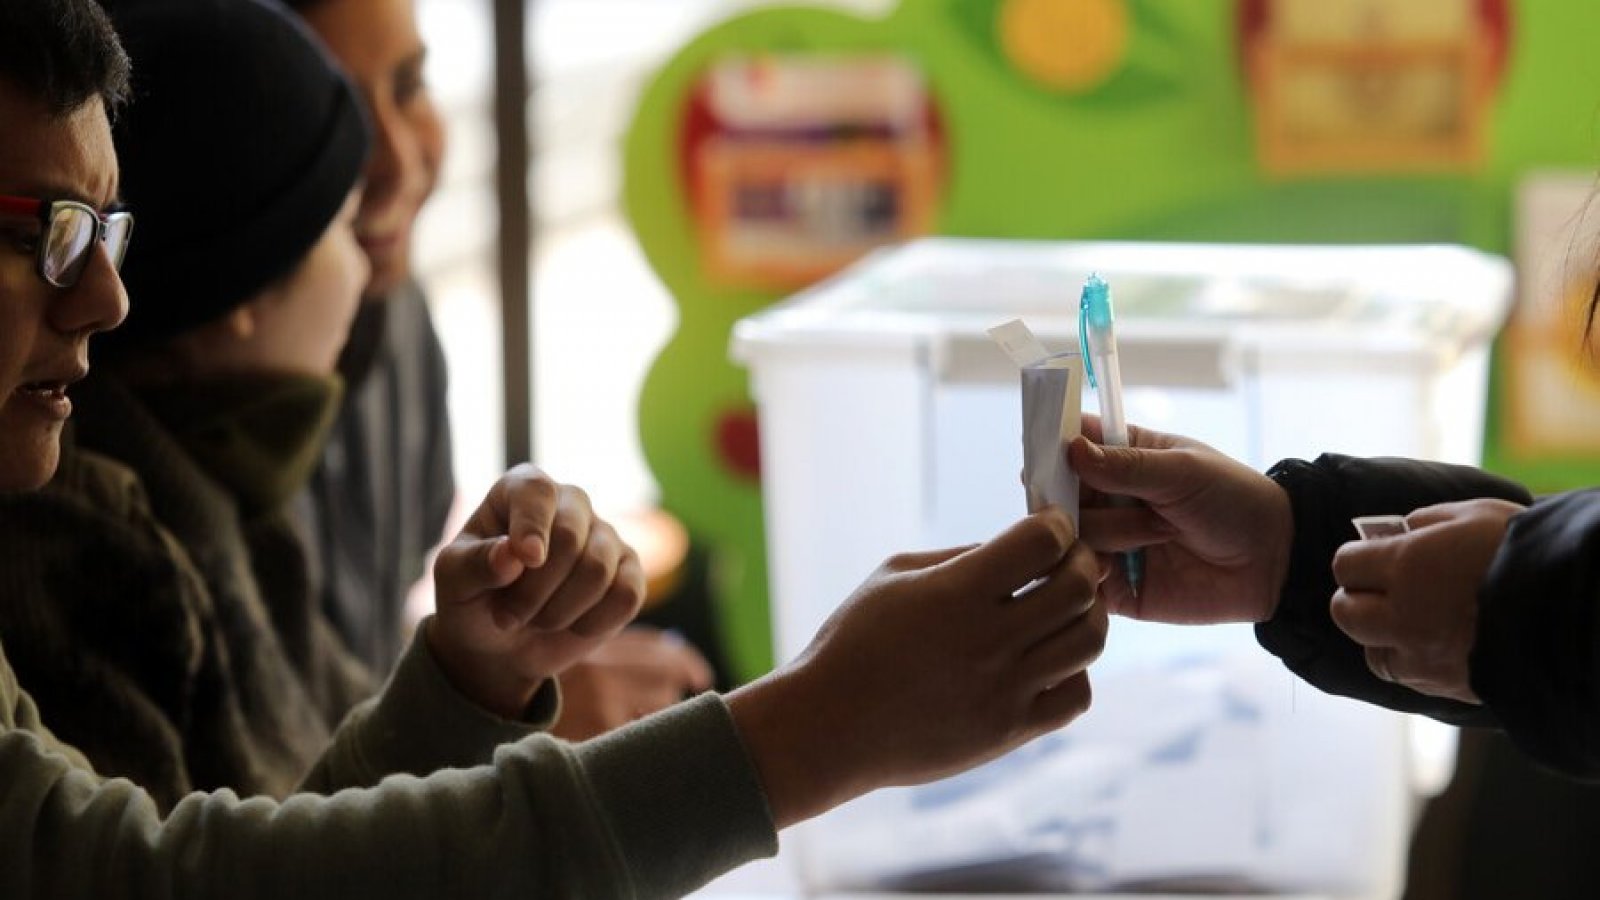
<point x="1325" y="495"/>
<point x="1535" y="662"/>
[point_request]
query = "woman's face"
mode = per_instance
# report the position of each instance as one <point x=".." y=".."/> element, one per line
<point x="45" y="330"/>
<point x="377" y="44"/>
<point x="302" y="322"/>
<point x="297" y="325"/>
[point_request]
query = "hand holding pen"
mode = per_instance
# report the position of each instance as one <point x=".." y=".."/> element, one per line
<point x="1097" y="339"/>
<point x="1215" y="533"/>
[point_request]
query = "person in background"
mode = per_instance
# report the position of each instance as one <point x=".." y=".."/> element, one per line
<point x="938" y="662"/>
<point x="380" y="498"/>
<point x="382" y="492"/>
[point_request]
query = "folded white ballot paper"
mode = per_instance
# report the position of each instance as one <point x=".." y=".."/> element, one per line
<point x="1372" y="527"/>
<point x="1052" y="401"/>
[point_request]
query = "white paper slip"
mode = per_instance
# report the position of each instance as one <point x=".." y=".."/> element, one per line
<point x="1370" y="527"/>
<point x="1052" y="405"/>
<point x="1019" y="343"/>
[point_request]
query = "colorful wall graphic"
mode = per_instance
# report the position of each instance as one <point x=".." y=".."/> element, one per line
<point x="781" y="144"/>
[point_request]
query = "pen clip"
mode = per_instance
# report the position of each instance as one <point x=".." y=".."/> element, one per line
<point x="1083" y="341"/>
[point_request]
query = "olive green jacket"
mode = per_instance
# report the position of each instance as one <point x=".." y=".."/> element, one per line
<point x="172" y="638"/>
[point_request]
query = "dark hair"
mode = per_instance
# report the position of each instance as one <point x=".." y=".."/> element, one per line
<point x="1581" y="242"/>
<point x="1588" y="320"/>
<point x="62" y="53"/>
<point x="302" y="5"/>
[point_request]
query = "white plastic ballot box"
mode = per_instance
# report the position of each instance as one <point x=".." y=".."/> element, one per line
<point x="890" y="421"/>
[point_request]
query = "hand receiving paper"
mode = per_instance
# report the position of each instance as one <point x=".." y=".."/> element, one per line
<point x="1411" y="600"/>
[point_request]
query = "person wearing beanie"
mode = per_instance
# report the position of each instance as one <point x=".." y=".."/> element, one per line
<point x="212" y="665"/>
<point x="381" y="494"/>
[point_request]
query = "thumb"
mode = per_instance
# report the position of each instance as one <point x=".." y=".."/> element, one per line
<point x="913" y="560"/>
<point x="1027" y="550"/>
<point x="1125" y="471"/>
<point x="468" y="567"/>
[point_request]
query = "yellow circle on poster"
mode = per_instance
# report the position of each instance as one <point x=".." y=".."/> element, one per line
<point x="1065" y="45"/>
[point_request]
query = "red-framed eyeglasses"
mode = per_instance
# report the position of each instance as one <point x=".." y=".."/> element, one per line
<point x="69" y="232"/>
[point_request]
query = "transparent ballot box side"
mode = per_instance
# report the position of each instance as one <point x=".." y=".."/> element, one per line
<point x="889" y="421"/>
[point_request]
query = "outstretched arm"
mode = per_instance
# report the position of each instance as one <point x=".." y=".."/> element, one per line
<point x="938" y="662"/>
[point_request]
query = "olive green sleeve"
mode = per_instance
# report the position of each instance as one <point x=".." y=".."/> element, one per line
<point x="418" y="724"/>
<point x="652" y="810"/>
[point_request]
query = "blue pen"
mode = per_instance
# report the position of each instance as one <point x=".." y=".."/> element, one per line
<point x="1098" y="340"/>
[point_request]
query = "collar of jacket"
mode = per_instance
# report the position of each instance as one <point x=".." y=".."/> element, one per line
<point x="259" y="436"/>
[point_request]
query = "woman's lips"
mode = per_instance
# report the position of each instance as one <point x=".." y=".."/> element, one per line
<point x="50" y="397"/>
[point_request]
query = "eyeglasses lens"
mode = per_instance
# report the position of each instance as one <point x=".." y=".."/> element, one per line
<point x="119" y="229"/>
<point x="67" y="245"/>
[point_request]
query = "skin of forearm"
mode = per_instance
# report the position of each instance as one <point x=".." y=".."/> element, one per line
<point x="805" y="768"/>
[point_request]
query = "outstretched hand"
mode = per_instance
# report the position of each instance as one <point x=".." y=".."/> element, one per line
<point x="939" y="661"/>
<point x="1411" y="600"/>
<point x="532" y="584"/>
<point x="1216" y="533"/>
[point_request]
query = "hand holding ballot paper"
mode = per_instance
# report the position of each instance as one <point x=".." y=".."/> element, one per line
<point x="1410" y="597"/>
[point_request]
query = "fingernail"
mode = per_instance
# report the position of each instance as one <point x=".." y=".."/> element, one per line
<point x="504" y="560"/>
<point x="533" y="551"/>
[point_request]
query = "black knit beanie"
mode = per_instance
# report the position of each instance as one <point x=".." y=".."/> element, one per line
<point x="240" y="146"/>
